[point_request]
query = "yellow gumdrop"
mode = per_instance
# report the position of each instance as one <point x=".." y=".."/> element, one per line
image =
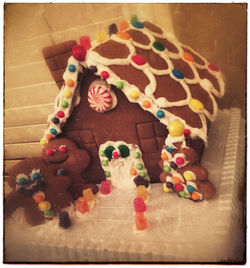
<point x="176" y="128"/>
<point x="134" y="94"/>
<point x="165" y="188"/>
<point x="101" y="36"/>
<point x="44" y="205"/>
<point x="88" y="194"/>
<point x="196" y="105"/>
<point x="189" y="175"/>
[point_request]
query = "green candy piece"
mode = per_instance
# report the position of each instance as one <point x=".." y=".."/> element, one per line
<point x="139" y="166"/>
<point x="182" y="193"/>
<point x="143" y="174"/>
<point x="159" y="46"/>
<point x="105" y="163"/>
<point x="124" y="150"/>
<point x="107" y="174"/>
<point x="108" y="152"/>
<point x="137" y="155"/>
<point x="48" y="213"/>
<point x="64" y="104"/>
<point x="167" y="168"/>
<point x="133" y="19"/>
<point x="102" y="153"/>
<point x="120" y="85"/>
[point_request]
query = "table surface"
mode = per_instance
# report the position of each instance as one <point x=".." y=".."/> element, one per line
<point x="179" y="230"/>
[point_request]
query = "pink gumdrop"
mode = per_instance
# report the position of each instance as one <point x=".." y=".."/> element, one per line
<point x="78" y="52"/>
<point x="85" y="42"/>
<point x="139" y="60"/>
<point x="139" y="205"/>
<point x="116" y="155"/>
<point x="105" y="187"/>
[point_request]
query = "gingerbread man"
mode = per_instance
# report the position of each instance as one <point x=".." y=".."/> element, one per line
<point x="37" y="190"/>
<point x="183" y="174"/>
<point x="66" y="158"/>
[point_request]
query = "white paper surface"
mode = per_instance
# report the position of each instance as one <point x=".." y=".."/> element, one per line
<point x="179" y="230"/>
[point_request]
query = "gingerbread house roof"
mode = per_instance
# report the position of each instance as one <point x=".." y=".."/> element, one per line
<point x="153" y="69"/>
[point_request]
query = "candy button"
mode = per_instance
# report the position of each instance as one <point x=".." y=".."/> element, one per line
<point x="146" y="104"/>
<point x="179" y="187"/>
<point x="64" y="104"/>
<point x="139" y="60"/>
<point x="49" y="137"/>
<point x="123" y="25"/>
<point x="189" y="175"/>
<point x="123" y="35"/>
<point x="61" y="172"/>
<point x="137" y="155"/>
<point x="213" y="68"/>
<point x="177" y="74"/>
<point x="169" y="149"/>
<point x="173" y="165"/>
<point x="67" y="94"/>
<point x="195" y="196"/>
<point x="167" y="168"/>
<point x="134" y="94"/>
<point x="188" y="57"/>
<point x="72" y="68"/>
<point x="120" y="85"/>
<point x="139" y="166"/>
<point x="159" y="46"/>
<point x="93" y="69"/>
<point x="164" y="156"/>
<point x="182" y="193"/>
<point x="196" y="105"/>
<point x="63" y="149"/>
<point x="165" y="188"/>
<point x="176" y="128"/>
<point x="190" y="188"/>
<point x="138" y="25"/>
<point x="104" y="75"/>
<point x="133" y="172"/>
<point x="179" y="161"/>
<point x="78" y="52"/>
<point x="55" y="120"/>
<point x="143" y="174"/>
<point x="160" y="114"/>
<point x="107" y="174"/>
<point x="169" y="185"/>
<point x="187" y="132"/>
<point x="53" y="131"/>
<point x="50" y="152"/>
<point x="44" y="205"/>
<point x="70" y="82"/>
<point x="101" y="36"/>
<point x="105" y="163"/>
<point x="60" y="114"/>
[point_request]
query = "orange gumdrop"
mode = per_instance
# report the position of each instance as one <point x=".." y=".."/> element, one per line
<point x="123" y="35"/>
<point x="146" y="104"/>
<point x="188" y="56"/>
<point x="123" y="25"/>
<point x="176" y="180"/>
<point x="164" y="156"/>
<point x="140" y="221"/>
<point x="133" y="172"/>
<point x="195" y="196"/>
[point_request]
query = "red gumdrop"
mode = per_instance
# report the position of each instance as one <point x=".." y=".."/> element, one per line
<point x="139" y="205"/>
<point x="105" y="187"/>
<point x="179" y="187"/>
<point x="85" y="42"/>
<point x="78" y="52"/>
<point x="139" y="60"/>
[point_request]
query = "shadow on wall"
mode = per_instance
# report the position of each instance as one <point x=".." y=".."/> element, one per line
<point x="218" y="32"/>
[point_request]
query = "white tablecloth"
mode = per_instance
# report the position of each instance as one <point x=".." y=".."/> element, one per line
<point x="179" y="230"/>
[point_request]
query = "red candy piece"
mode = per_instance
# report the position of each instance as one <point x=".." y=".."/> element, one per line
<point x="63" y="149"/>
<point x="104" y="75"/>
<point x="82" y="205"/>
<point x="60" y="114"/>
<point x="213" y="68"/>
<point x="179" y="187"/>
<point x="50" y="152"/>
<point x="85" y="42"/>
<point x="116" y="155"/>
<point x="78" y="52"/>
<point x="139" y="60"/>
<point x="187" y="132"/>
<point x="179" y="160"/>
<point x="105" y="187"/>
<point x="139" y="205"/>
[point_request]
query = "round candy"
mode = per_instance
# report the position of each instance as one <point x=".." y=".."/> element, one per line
<point x="49" y="137"/>
<point x="22" y="181"/>
<point x="38" y="197"/>
<point x="160" y="114"/>
<point x="105" y="163"/>
<point x="102" y="153"/>
<point x="104" y="75"/>
<point x="93" y="69"/>
<point x="159" y="46"/>
<point x="169" y="185"/>
<point x="169" y="149"/>
<point x="196" y="105"/>
<point x="36" y="176"/>
<point x="43" y="142"/>
<point x="179" y="160"/>
<point x="173" y="165"/>
<point x="44" y="205"/>
<point x="139" y="166"/>
<point x="146" y="104"/>
<point x="60" y="114"/>
<point x="167" y="168"/>
<point x="78" y="52"/>
<point x="178" y="74"/>
<point x="195" y="196"/>
<point x="133" y="172"/>
<point x="188" y="57"/>
<point x="187" y="132"/>
<point x="99" y="98"/>
<point x="176" y="128"/>
<point x="107" y="174"/>
<point x="72" y="68"/>
<point x="64" y="104"/>
<point x="139" y="60"/>
<point x="124" y="150"/>
<point x="67" y="94"/>
<point x="137" y="155"/>
<point x="56" y="120"/>
<point x="176" y="180"/>
<point x="143" y="174"/>
<point x="61" y="171"/>
<point x="53" y="131"/>
<point x="165" y="188"/>
<point x="182" y="193"/>
<point x="189" y="175"/>
<point x="190" y="188"/>
<point x="50" y="152"/>
<point x="179" y="187"/>
<point x="134" y="94"/>
<point x="48" y="213"/>
<point x="138" y="25"/>
<point x="120" y="85"/>
<point x="116" y="155"/>
<point x="70" y="82"/>
<point x="63" y="149"/>
<point x="164" y="156"/>
<point x="213" y="68"/>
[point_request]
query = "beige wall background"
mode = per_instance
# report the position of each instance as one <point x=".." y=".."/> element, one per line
<point x="217" y="31"/>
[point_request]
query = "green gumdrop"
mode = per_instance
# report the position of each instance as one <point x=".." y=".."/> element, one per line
<point x="108" y="152"/>
<point x="133" y="19"/>
<point x="107" y="174"/>
<point x="124" y="150"/>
